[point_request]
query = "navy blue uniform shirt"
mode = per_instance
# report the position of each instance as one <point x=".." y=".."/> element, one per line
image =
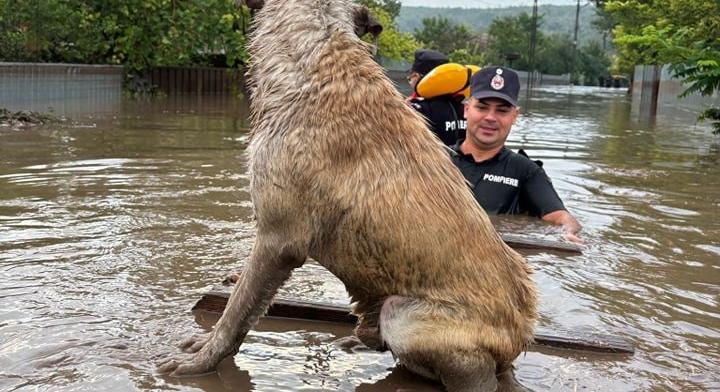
<point x="445" y="116"/>
<point x="508" y="183"/>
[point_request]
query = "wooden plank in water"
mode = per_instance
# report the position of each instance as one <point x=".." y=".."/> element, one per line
<point x="520" y="242"/>
<point x="215" y="301"/>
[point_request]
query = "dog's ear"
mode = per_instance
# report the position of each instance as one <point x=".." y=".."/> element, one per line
<point x="252" y="4"/>
<point x="364" y="22"/>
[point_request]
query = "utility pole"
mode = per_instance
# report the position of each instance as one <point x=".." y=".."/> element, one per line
<point x="573" y="80"/>
<point x="533" y="39"/>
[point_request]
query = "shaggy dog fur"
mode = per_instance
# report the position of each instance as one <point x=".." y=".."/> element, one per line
<point x="344" y="172"/>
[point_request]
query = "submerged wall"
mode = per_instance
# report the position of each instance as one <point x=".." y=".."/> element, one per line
<point x="655" y="92"/>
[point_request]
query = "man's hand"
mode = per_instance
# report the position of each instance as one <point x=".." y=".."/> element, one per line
<point x="568" y="222"/>
<point x="573" y="238"/>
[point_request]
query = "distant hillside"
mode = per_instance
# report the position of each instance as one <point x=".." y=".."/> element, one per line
<point x="557" y="19"/>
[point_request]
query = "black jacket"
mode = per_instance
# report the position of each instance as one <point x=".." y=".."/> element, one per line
<point x="445" y="115"/>
<point x="508" y="183"/>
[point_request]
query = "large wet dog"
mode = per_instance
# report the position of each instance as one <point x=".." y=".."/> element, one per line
<point x="347" y="174"/>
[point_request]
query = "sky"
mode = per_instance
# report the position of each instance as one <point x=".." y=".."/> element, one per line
<point x="484" y="3"/>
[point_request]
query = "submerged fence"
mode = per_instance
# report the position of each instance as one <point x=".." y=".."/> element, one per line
<point x="65" y="89"/>
<point x="196" y="80"/>
<point x="80" y="89"/>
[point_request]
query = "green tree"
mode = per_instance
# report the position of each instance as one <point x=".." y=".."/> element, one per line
<point x="593" y="63"/>
<point x="701" y="70"/>
<point x="465" y="56"/>
<point x="683" y="33"/>
<point x="393" y="44"/>
<point x="655" y="31"/>
<point x="510" y="35"/>
<point x="603" y="22"/>
<point x="555" y="55"/>
<point x="391" y="7"/>
<point x="443" y="35"/>
<point x="135" y="33"/>
<point x="147" y="33"/>
<point x="41" y="31"/>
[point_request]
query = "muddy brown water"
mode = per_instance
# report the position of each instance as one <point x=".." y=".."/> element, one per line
<point x="112" y="225"/>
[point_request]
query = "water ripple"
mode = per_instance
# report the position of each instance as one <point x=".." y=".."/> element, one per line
<point x="109" y="235"/>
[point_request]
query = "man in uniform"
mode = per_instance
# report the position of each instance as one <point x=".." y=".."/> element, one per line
<point x="504" y="182"/>
<point x="444" y="113"/>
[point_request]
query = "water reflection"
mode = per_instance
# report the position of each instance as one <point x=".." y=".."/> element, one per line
<point x="112" y="227"/>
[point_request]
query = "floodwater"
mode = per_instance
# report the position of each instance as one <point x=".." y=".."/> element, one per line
<point x="112" y="226"/>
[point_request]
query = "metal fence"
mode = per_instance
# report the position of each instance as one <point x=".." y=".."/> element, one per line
<point x="196" y="80"/>
<point x="79" y="89"/>
<point x="64" y="89"/>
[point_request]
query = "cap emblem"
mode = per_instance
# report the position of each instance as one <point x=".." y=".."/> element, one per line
<point x="497" y="82"/>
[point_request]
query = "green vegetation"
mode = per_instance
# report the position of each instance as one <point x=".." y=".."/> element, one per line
<point x="391" y="7"/>
<point x="145" y="33"/>
<point x="557" y="19"/>
<point x="683" y="33"/>
<point x="457" y="40"/>
<point x="142" y="34"/>
<point x="507" y="42"/>
<point x="135" y="33"/>
<point x="392" y="44"/>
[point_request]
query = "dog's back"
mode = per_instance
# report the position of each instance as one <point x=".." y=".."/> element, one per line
<point x="386" y="210"/>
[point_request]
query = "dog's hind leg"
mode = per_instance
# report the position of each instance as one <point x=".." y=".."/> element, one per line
<point x="406" y="326"/>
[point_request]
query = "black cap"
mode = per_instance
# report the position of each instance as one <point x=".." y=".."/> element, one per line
<point x="496" y="82"/>
<point x="426" y="60"/>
